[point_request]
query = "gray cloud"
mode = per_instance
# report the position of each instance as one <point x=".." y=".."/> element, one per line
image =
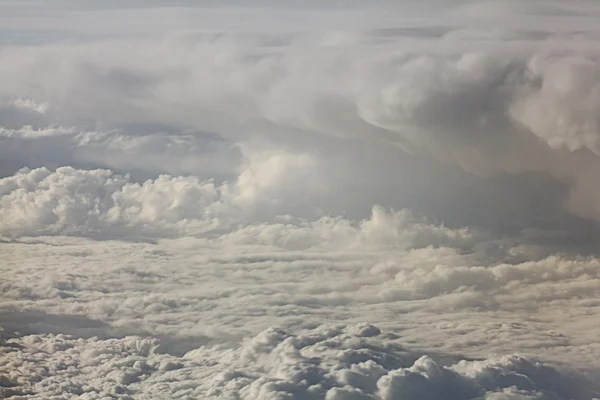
<point x="485" y="112"/>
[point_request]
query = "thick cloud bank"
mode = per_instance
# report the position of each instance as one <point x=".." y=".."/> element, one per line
<point x="285" y="200"/>
<point x="99" y="203"/>
<point x="328" y="362"/>
<point x="71" y="306"/>
<point x="519" y="109"/>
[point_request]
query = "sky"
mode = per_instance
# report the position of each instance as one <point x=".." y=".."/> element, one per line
<point x="284" y="200"/>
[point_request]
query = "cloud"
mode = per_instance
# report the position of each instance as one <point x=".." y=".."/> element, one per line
<point x="434" y="285"/>
<point x="299" y="201"/>
<point x="384" y="229"/>
<point x="331" y="362"/>
<point x="559" y="106"/>
<point x="192" y="299"/>
<point x="29" y="132"/>
<point x="29" y="104"/>
<point x="533" y="8"/>
<point x="142" y="151"/>
<point x="98" y="202"/>
<point x="484" y="111"/>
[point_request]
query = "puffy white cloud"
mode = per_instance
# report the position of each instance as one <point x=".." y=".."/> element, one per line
<point x="438" y="287"/>
<point x="98" y="202"/>
<point x="331" y="362"/>
<point x="192" y="291"/>
<point x="383" y="230"/>
<point x="559" y="101"/>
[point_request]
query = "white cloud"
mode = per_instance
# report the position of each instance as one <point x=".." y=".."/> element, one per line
<point x="170" y="195"/>
<point x="30" y="104"/>
<point x="98" y="202"/>
<point x="193" y="299"/>
<point x="196" y="290"/>
<point x="485" y="111"/>
<point x="331" y="362"/>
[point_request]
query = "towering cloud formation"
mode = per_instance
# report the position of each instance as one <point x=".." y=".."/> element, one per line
<point x="512" y="110"/>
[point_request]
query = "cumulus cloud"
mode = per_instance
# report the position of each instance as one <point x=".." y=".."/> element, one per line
<point x="430" y="283"/>
<point x="89" y="202"/>
<point x="328" y="362"/>
<point x="225" y="211"/>
<point x="507" y="110"/>
<point x="70" y="303"/>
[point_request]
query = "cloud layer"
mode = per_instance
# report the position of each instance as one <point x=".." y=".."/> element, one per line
<point x="299" y="201"/>
<point x="442" y="292"/>
<point x="98" y="202"/>
<point x="328" y="362"/>
<point x="521" y="110"/>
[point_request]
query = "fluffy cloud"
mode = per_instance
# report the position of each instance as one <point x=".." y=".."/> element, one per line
<point x="190" y="301"/>
<point x="328" y="362"/>
<point x="428" y="282"/>
<point x="170" y="195"/>
<point x="484" y="111"/>
<point x="98" y="202"/>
